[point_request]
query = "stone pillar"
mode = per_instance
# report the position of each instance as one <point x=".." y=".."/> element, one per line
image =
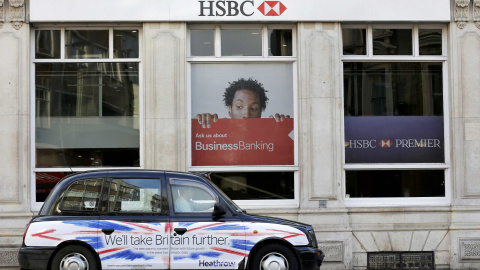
<point x="165" y="96"/>
<point x="14" y="129"/>
<point x="465" y="133"/>
<point x="320" y="145"/>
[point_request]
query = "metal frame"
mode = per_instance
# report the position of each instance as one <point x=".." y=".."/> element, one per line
<point x="35" y="206"/>
<point x="415" y="57"/>
<point x="264" y="58"/>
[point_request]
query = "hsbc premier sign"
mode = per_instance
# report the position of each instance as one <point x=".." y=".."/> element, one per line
<point x="394" y="139"/>
<point x="246" y="8"/>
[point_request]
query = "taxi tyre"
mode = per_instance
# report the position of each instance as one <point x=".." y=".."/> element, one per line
<point x="73" y="255"/>
<point x="275" y="255"/>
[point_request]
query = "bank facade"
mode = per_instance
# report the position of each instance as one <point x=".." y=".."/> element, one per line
<point x="367" y="125"/>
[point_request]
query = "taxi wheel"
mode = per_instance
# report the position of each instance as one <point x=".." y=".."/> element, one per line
<point x="74" y="258"/>
<point x="274" y="256"/>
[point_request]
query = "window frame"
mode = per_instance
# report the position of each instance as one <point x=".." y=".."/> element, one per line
<point x="35" y="206"/>
<point x="264" y="58"/>
<point x="415" y="57"/>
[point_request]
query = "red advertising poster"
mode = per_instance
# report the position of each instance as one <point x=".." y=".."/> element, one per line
<point x="254" y="141"/>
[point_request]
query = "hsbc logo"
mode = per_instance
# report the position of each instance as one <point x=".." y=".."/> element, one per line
<point x="272" y="8"/>
<point x="234" y="8"/>
<point x="385" y="143"/>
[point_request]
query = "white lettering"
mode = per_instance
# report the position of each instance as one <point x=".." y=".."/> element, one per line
<point x="239" y="146"/>
<point x="414" y="143"/>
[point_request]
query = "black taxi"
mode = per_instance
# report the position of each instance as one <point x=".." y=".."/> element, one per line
<point x="141" y="219"/>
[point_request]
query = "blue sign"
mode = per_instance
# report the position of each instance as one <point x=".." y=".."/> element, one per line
<point x="394" y="139"/>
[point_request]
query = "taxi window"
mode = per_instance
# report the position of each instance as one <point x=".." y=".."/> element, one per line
<point x="82" y="195"/>
<point x="188" y="198"/>
<point x="135" y="195"/>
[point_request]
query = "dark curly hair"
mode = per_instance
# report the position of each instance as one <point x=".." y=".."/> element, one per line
<point x="242" y="84"/>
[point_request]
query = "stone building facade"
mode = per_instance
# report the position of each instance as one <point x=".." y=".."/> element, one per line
<point x="350" y="231"/>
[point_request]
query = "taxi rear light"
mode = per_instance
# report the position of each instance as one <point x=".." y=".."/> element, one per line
<point x="25" y="232"/>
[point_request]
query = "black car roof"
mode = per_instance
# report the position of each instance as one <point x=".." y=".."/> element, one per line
<point x="102" y="173"/>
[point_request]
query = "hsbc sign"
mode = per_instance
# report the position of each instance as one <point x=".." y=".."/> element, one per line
<point x="399" y="143"/>
<point x="246" y="8"/>
<point x="144" y="11"/>
<point x="394" y="139"/>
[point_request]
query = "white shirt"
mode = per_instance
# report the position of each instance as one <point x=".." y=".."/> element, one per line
<point x="182" y="205"/>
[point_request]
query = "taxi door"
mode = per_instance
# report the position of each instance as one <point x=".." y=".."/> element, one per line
<point x="199" y="240"/>
<point x="133" y="227"/>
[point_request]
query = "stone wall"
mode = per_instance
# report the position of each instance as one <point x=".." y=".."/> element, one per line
<point x="14" y="129"/>
<point x="346" y="234"/>
<point x="465" y="131"/>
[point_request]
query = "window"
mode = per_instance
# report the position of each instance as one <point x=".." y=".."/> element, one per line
<point x="86" y="93"/>
<point x="82" y="195"/>
<point x="135" y="195"/>
<point x="242" y="106"/>
<point x="394" y="114"/>
<point x="188" y="198"/>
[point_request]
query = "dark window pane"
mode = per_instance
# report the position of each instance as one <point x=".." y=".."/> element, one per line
<point x="354" y="41"/>
<point x="392" y="41"/>
<point x="85" y="44"/>
<point x="242" y="42"/>
<point x="430" y="41"/>
<point x="125" y="43"/>
<point x="393" y="89"/>
<point x="256" y="185"/>
<point x="86" y="114"/>
<point x="44" y="183"/>
<point x="395" y="183"/>
<point x="202" y="43"/>
<point x="393" y="112"/>
<point x="280" y="42"/>
<point x="47" y="44"/>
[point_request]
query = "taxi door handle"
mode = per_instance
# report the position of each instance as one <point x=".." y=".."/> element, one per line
<point x="180" y="231"/>
<point x="108" y="231"/>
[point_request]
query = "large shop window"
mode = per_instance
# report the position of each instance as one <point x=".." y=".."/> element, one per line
<point x="242" y="106"/>
<point x="86" y="102"/>
<point x="394" y="107"/>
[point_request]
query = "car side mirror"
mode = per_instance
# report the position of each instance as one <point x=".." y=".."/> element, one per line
<point x="218" y="210"/>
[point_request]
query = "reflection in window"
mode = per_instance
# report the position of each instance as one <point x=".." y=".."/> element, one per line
<point x="85" y="44"/>
<point x="354" y="41"/>
<point x="47" y="44"/>
<point x="44" y="183"/>
<point x="86" y="114"/>
<point x="393" y="89"/>
<point x="395" y="183"/>
<point x="392" y="41"/>
<point x="430" y="41"/>
<point x="280" y="42"/>
<point x="202" y="42"/>
<point x="82" y="196"/>
<point x="241" y="42"/>
<point x="125" y="43"/>
<point x="135" y="195"/>
<point x="256" y="185"/>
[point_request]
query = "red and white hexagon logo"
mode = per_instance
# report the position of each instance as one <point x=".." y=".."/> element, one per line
<point x="272" y="8"/>
<point x="385" y="143"/>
